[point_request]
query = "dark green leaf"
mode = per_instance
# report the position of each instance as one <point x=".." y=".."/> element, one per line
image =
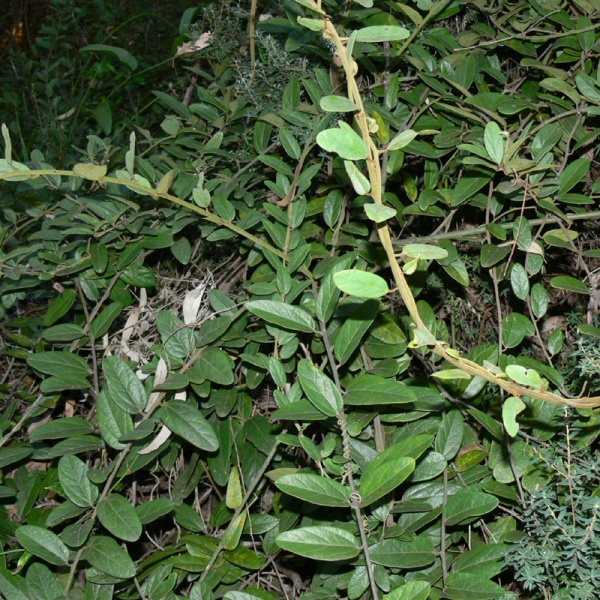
<point x="73" y="477"/>
<point x="125" y="389"/>
<point x="467" y="505"/>
<point x="314" y="488"/>
<point x="107" y="556"/>
<point x="373" y="390"/>
<point x="282" y="315"/>
<point x="320" y="543"/>
<point x="185" y="420"/>
<point x="354" y="328"/>
<point x="43" y="543"/>
<point x="319" y="389"/>
<point x="118" y="516"/>
<point x="403" y="555"/>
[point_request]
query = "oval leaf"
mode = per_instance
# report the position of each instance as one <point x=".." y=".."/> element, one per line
<point x="320" y="543"/>
<point x="361" y="284"/>
<point x="282" y="315"/>
<point x="120" y="518"/>
<point x="186" y="421"/>
<point x="344" y="142"/>
<point x="314" y="488"/>
<point x="107" y="556"/>
<point x="337" y="104"/>
<point x="319" y="389"/>
<point x="43" y="543"/>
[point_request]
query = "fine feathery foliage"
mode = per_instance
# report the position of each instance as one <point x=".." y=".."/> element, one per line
<point x="321" y="324"/>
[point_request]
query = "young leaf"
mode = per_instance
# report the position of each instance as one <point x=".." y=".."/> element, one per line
<point x="425" y="251"/>
<point x="510" y="409"/>
<point x="359" y="182"/>
<point x="381" y="33"/>
<point x="319" y="389"/>
<point x="344" y="142"/>
<point x="320" y="543"/>
<point x="523" y="376"/>
<point x="337" y="104"/>
<point x="361" y="284"/>
<point x="403" y="139"/>
<point x="234" y="495"/>
<point x="379" y="212"/>
<point x="494" y="142"/>
<point x="118" y="516"/>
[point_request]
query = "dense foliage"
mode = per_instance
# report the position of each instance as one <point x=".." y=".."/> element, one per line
<point x="314" y="315"/>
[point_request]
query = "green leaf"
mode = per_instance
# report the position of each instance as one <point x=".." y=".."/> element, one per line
<point x="588" y="87"/>
<point x="359" y="182"/>
<point x="381" y="477"/>
<point x="89" y="171"/>
<point x="113" y="421"/>
<point x="12" y="586"/>
<point x="344" y="142"/>
<point x="320" y="543"/>
<point x="425" y="251"/>
<point x="119" y="53"/>
<point x="59" y="363"/>
<point x="515" y="327"/>
<point x="466" y="586"/>
<point x="467" y="505"/>
<point x="43" y="543"/>
<point x="41" y="583"/>
<point x="492" y="254"/>
<point x="403" y="139"/>
<point x="337" y="104"/>
<point x="490" y="424"/>
<point x="403" y="555"/>
<point x="494" y="141"/>
<point x="314" y="488"/>
<point x="558" y="85"/>
<point x="61" y="428"/>
<point x="414" y="590"/>
<point x="361" y="284"/>
<point x="379" y="212"/>
<point x="523" y="376"/>
<point x="450" y="434"/>
<point x="107" y="316"/>
<point x="60" y="383"/>
<point x="319" y="389"/>
<point x="185" y="420"/>
<point x="212" y="364"/>
<point x="366" y="390"/>
<point x="13" y="454"/>
<point x="382" y="33"/>
<point x="573" y="173"/>
<point x="302" y="410"/>
<point x="539" y="300"/>
<point x="510" y="409"/>
<point x="282" y="315"/>
<point x="570" y="284"/>
<point x="519" y="281"/>
<point x="154" y="509"/>
<point x="73" y="477"/>
<point x="107" y="556"/>
<point x="125" y="389"/>
<point x="59" y="307"/>
<point x="355" y="326"/>
<point x="118" y="516"/>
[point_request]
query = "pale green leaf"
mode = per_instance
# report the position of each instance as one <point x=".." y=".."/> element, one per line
<point x="361" y="284"/>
